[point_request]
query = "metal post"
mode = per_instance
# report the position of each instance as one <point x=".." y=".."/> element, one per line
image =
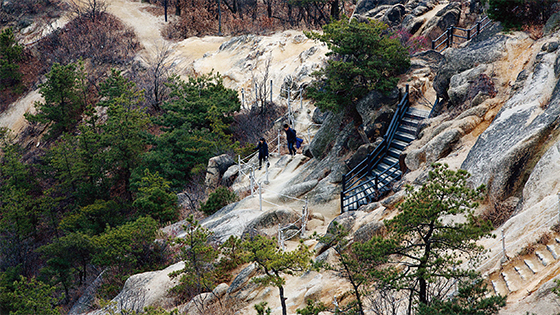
<point x="270" y="91"/>
<point x="266" y="172"/>
<point x="558" y="207"/>
<point x="448" y="36"/>
<point x="164" y="8"/>
<point x="260" y="197"/>
<point x="304" y="219"/>
<point x="451" y="36"/>
<point x="279" y="142"/>
<point x="252" y="176"/>
<point x="289" y="103"/>
<point x="300" y="99"/>
<point x="504" y="245"/>
<point x="242" y="98"/>
<point x="342" y="193"/>
<point x="433" y="45"/>
<point x="239" y="163"/>
<point x="478" y="28"/>
<point x="256" y="94"/>
<point x="469" y="34"/>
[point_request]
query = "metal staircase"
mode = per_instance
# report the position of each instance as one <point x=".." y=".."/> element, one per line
<point x="374" y="176"/>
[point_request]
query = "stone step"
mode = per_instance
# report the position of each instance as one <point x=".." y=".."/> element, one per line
<point x="507" y="280"/>
<point x="553" y="249"/>
<point x="534" y="267"/>
<point x="500" y="287"/>
<point x="523" y="271"/>
<point x="544" y="257"/>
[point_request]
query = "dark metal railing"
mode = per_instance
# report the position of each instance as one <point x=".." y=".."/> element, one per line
<point x="353" y="182"/>
<point x="448" y="36"/>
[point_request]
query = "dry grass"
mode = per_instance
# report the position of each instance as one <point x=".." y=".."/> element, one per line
<point x="498" y="214"/>
<point x="535" y="32"/>
<point x="544" y="239"/>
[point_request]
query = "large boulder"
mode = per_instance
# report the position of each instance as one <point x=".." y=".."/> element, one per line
<point x="364" y="6"/>
<point x="145" y="289"/>
<point x="502" y="154"/>
<point x="460" y="83"/>
<point x="368" y="107"/>
<point x="297" y="190"/>
<point x="217" y="166"/>
<point x="465" y="58"/>
<point x="267" y="223"/>
<point x="326" y="135"/>
<point x="444" y="18"/>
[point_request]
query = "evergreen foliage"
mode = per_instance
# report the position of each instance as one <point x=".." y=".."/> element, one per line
<point x="218" y="199"/>
<point x="198" y="274"/>
<point x="32" y="297"/>
<point x="195" y="124"/>
<point x="10" y="54"/>
<point x="363" y="58"/>
<point x="155" y="199"/>
<point x="275" y="263"/>
<point x="64" y="94"/>
<point x="435" y="230"/>
<point x="129" y="247"/>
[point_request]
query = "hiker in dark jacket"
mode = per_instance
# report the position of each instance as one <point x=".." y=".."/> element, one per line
<point x="262" y="146"/>
<point x="291" y="138"/>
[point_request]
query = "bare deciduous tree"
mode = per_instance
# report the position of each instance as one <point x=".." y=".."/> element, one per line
<point x="92" y="9"/>
<point x="160" y="66"/>
<point x="262" y="84"/>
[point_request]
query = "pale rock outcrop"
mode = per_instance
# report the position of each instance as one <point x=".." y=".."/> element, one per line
<point x="459" y="83"/>
<point x="267" y="223"/>
<point x="217" y="166"/>
<point x="145" y="289"/>
<point x="503" y="152"/>
<point x="543" y="181"/>
<point x="297" y="190"/>
<point x="465" y="58"/>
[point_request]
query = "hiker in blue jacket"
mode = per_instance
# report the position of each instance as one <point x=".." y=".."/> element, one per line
<point x="291" y="138"/>
<point x="262" y="146"/>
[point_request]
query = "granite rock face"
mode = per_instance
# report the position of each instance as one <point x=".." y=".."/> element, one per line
<point x="503" y="153"/>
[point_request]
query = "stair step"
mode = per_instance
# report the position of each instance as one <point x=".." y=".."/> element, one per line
<point x="407" y="129"/>
<point x="508" y="281"/>
<point x="394" y="152"/>
<point x="499" y="287"/>
<point x="390" y="160"/>
<point x="418" y="112"/>
<point x="406" y="137"/>
<point x="557" y="240"/>
<point x="409" y="121"/>
<point x="531" y="266"/>
<point x="552" y="248"/>
<point x="522" y="271"/>
<point x="398" y="144"/>
<point x="545" y="257"/>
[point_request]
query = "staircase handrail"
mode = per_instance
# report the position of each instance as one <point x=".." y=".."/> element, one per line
<point x="450" y="33"/>
<point x="371" y="158"/>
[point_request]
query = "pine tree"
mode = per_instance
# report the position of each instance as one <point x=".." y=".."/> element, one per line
<point x="275" y="263"/>
<point x="10" y="54"/>
<point x="428" y="241"/>
<point x="64" y="98"/>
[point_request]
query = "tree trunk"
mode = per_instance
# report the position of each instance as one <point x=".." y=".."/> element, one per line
<point x="282" y="300"/>
<point x="335" y="12"/>
<point x="178" y="7"/>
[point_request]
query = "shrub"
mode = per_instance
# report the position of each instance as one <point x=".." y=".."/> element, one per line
<point x="218" y="199"/>
<point x="515" y="13"/>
